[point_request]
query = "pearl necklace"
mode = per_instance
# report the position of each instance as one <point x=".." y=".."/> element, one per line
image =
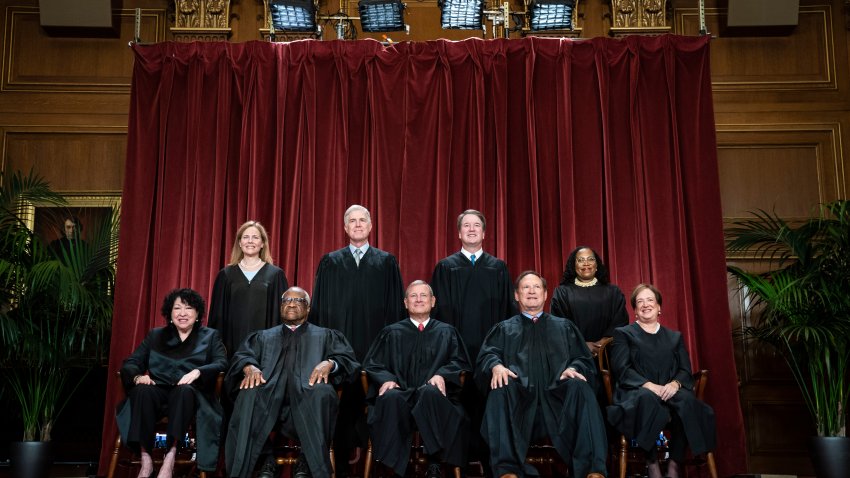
<point x="253" y="266"/>
<point x="589" y="283"/>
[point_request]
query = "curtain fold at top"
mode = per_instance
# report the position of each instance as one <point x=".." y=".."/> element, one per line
<point x="604" y="142"/>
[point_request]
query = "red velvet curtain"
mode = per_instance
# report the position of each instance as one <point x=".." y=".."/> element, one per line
<point x="603" y="142"/>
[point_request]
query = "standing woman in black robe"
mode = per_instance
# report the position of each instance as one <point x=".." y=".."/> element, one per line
<point x="585" y="297"/>
<point x="246" y="294"/>
<point x="173" y="373"/>
<point x="654" y="386"/>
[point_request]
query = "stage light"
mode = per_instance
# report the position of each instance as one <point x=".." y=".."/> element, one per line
<point x="293" y="15"/>
<point x="461" y="14"/>
<point x="381" y="15"/>
<point x="551" y="14"/>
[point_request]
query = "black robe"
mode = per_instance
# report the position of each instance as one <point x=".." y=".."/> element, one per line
<point x="358" y="301"/>
<point x="404" y="355"/>
<point x="167" y="360"/>
<point x="596" y="310"/>
<point x="239" y="307"/>
<point x="63" y="247"/>
<point x="257" y="410"/>
<point x="538" y="403"/>
<point x="638" y="357"/>
<point x="472" y="298"/>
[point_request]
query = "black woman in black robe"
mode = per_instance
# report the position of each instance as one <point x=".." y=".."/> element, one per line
<point x="586" y="297"/>
<point x="246" y="293"/>
<point x="173" y="373"/>
<point x="654" y="387"/>
<point x="540" y="374"/>
<point x="414" y="381"/>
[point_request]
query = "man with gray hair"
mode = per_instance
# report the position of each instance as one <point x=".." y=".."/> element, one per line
<point x="414" y="370"/>
<point x="358" y="291"/>
<point x="285" y="378"/>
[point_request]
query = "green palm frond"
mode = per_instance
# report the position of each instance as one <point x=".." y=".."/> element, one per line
<point x="803" y="305"/>
<point x="55" y="306"/>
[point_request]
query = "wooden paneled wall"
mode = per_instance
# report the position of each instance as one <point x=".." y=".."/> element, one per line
<point x="782" y="105"/>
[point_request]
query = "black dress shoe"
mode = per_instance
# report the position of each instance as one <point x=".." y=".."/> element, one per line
<point x="433" y="471"/>
<point x="269" y="469"/>
<point x="302" y="469"/>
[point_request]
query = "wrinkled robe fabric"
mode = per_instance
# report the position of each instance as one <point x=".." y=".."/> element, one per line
<point x="167" y="359"/>
<point x="596" y="310"/>
<point x="239" y="306"/>
<point x="538" y="400"/>
<point x="404" y="355"/>
<point x="257" y="411"/>
<point x="638" y="357"/>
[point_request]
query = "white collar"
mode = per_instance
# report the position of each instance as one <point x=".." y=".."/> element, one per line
<point x="363" y="248"/>
<point x="468" y="254"/>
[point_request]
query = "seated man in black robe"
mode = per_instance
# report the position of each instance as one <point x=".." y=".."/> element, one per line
<point x="537" y="367"/>
<point x="414" y="370"/>
<point x="284" y="377"/>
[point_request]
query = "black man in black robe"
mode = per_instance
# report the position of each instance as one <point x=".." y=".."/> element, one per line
<point x="285" y="378"/>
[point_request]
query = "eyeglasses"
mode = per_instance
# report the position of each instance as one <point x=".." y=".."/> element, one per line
<point x="582" y="260"/>
<point x="294" y="300"/>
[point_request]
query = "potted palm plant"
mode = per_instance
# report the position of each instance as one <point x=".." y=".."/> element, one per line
<point x="803" y="305"/>
<point x="55" y="311"/>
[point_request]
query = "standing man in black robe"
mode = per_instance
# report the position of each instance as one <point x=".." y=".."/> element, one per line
<point x="358" y="291"/>
<point x="284" y="377"/>
<point x="537" y="367"/>
<point x="414" y="370"/>
<point x="474" y="292"/>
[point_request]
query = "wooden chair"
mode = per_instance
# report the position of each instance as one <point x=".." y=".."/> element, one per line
<point x="185" y="456"/>
<point x="417" y="458"/>
<point x="627" y="454"/>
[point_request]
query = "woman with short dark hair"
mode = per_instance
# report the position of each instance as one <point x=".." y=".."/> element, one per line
<point x="173" y="373"/>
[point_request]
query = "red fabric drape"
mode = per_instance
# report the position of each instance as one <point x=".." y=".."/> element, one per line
<point x="603" y="142"/>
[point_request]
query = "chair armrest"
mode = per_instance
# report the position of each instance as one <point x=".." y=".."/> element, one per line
<point x="700" y="382"/>
<point x="609" y="388"/>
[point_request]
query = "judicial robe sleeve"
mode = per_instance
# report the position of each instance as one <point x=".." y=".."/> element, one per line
<point x="683" y="372"/>
<point x="378" y="360"/>
<point x="249" y="353"/>
<point x="619" y="317"/>
<point x="458" y="363"/>
<point x="440" y="283"/>
<point x="136" y="363"/>
<point x="219" y="303"/>
<point x="490" y="355"/>
<point x="339" y="350"/>
<point x="560" y="306"/>
<point x="626" y="375"/>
